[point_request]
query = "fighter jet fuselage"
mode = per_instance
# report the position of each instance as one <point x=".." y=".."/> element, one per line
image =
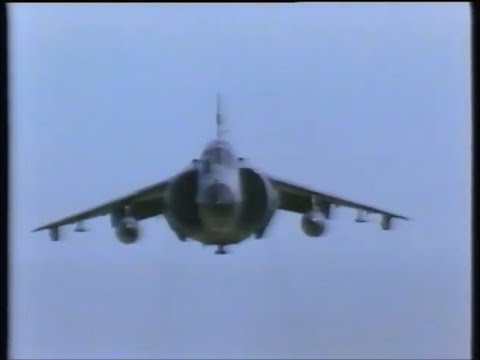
<point x="220" y="200"/>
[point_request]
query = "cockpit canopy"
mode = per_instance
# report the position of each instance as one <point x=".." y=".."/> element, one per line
<point x="218" y="152"/>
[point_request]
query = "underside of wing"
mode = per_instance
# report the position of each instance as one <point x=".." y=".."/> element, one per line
<point x="298" y="199"/>
<point x="142" y="204"/>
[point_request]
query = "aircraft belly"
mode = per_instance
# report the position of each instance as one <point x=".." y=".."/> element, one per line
<point x="228" y="236"/>
<point x="221" y="228"/>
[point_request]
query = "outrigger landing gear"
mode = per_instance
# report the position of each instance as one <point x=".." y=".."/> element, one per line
<point x="220" y="250"/>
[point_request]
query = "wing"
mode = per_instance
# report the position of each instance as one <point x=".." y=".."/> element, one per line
<point x="298" y="199"/>
<point x="143" y="203"/>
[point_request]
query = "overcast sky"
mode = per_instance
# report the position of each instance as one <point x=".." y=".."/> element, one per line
<point x="367" y="101"/>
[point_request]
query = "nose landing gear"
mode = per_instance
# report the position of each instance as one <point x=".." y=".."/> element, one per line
<point x="221" y="250"/>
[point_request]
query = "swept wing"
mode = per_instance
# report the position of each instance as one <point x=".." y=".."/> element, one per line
<point x="144" y="203"/>
<point x="298" y="199"/>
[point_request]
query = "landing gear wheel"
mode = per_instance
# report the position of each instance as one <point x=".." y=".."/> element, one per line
<point x="220" y="250"/>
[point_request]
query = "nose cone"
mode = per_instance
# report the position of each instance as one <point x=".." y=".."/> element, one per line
<point x="219" y="194"/>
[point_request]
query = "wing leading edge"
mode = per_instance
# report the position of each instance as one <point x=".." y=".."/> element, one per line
<point x="298" y="199"/>
<point x="144" y="203"/>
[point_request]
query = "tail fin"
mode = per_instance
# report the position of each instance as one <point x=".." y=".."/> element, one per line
<point x="221" y="130"/>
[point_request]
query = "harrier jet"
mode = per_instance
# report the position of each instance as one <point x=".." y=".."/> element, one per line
<point x="219" y="200"/>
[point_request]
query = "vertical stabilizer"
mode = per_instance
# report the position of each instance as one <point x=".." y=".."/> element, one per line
<point x="221" y="130"/>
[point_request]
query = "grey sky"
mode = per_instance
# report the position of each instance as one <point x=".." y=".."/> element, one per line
<point x="370" y="102"/>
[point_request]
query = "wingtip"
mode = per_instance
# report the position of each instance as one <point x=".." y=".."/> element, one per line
<point x="401" y="217"/>
<point x="39" y="229"/>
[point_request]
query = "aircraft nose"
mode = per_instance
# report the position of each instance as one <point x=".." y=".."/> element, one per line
<point x="219" y="194"/>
